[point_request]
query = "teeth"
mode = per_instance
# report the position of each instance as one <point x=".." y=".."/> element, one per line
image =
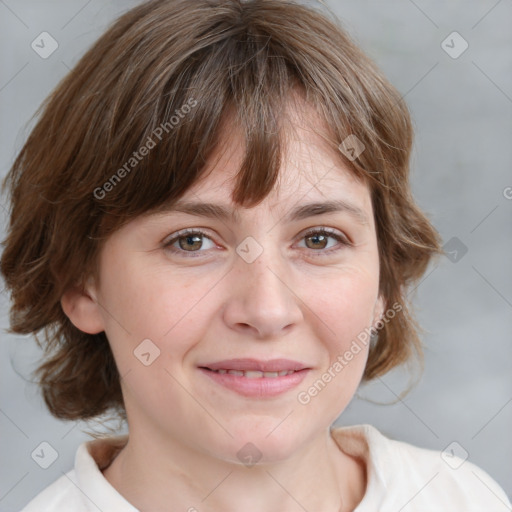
<point x="236" y="372"/>
<point x="255" y="374"/>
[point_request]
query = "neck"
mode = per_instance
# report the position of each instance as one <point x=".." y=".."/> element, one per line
<point x="159" y="475"/>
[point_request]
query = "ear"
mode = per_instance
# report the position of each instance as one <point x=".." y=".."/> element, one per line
<point x="81" y="307"/>
<point x="378" y="310"/>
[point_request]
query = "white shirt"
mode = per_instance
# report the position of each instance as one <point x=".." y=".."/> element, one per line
<point x="400" y="478"/>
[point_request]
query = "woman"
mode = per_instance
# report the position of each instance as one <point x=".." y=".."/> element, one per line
<point x="213" y="225"/>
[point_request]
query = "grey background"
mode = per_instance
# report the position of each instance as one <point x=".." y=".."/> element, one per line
<point x="462" y="109"/>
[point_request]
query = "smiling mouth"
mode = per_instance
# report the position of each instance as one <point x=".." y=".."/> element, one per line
<point x="256" y="378"/>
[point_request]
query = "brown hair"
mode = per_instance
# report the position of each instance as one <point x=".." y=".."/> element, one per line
<point x="178" y="67"/>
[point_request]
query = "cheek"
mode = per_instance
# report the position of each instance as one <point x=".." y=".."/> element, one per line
<point x="140" y="305"/>
<point x="347" y="304"/>
<point x="166" y="310"/>
<point x="344" y="310"/>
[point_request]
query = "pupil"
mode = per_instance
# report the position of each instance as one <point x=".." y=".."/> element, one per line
<point x="317" y="238"/>
<point x="190" y="240"/>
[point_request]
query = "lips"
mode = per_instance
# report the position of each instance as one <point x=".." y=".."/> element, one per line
<point x="256" y="378"/>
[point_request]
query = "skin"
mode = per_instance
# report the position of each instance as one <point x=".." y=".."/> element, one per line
<point x="206" y="303"/>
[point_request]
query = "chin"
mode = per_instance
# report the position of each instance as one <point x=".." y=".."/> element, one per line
<point x="262" y="440"/>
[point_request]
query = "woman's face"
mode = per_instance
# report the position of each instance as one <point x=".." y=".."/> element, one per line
<point x="194" y="319"/>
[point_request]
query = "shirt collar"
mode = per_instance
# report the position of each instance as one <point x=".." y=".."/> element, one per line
<point x="369" y="444"/>
<point x="91" y="458"/>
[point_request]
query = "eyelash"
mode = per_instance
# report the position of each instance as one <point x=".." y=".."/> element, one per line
<point x="321" y="231"/>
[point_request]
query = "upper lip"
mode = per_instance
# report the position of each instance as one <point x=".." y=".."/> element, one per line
<point x="273" y="365"/>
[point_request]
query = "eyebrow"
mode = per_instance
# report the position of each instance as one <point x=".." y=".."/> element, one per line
<point x="224" y="213"/>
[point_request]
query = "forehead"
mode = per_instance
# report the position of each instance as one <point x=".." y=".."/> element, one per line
<point x="311" y="167"/>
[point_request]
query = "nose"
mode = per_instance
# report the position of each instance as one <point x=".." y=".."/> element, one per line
<point x="262" y="301"/>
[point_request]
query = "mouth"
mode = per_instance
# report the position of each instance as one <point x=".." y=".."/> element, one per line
<point x="256" y="378"/>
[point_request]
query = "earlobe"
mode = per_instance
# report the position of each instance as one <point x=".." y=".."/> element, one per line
<point x="82" y="309"/>
<point x="378" y="311"/>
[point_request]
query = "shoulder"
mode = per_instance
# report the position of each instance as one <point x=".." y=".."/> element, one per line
<point x="443" y="477"/>
<point x="84" y="488"/>
<point x="416" y="479"/>
<point x="60" y="496"/>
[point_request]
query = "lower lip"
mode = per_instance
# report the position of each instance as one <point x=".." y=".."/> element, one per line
<point x="259" y="387"/>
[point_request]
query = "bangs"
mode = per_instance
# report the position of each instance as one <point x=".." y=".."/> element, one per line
<point x="180" y="127"/>
<point x="170" y="96"/>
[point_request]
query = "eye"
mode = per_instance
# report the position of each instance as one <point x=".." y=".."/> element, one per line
<point x="318" y="239"/>
<point x="188" y="240"/>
